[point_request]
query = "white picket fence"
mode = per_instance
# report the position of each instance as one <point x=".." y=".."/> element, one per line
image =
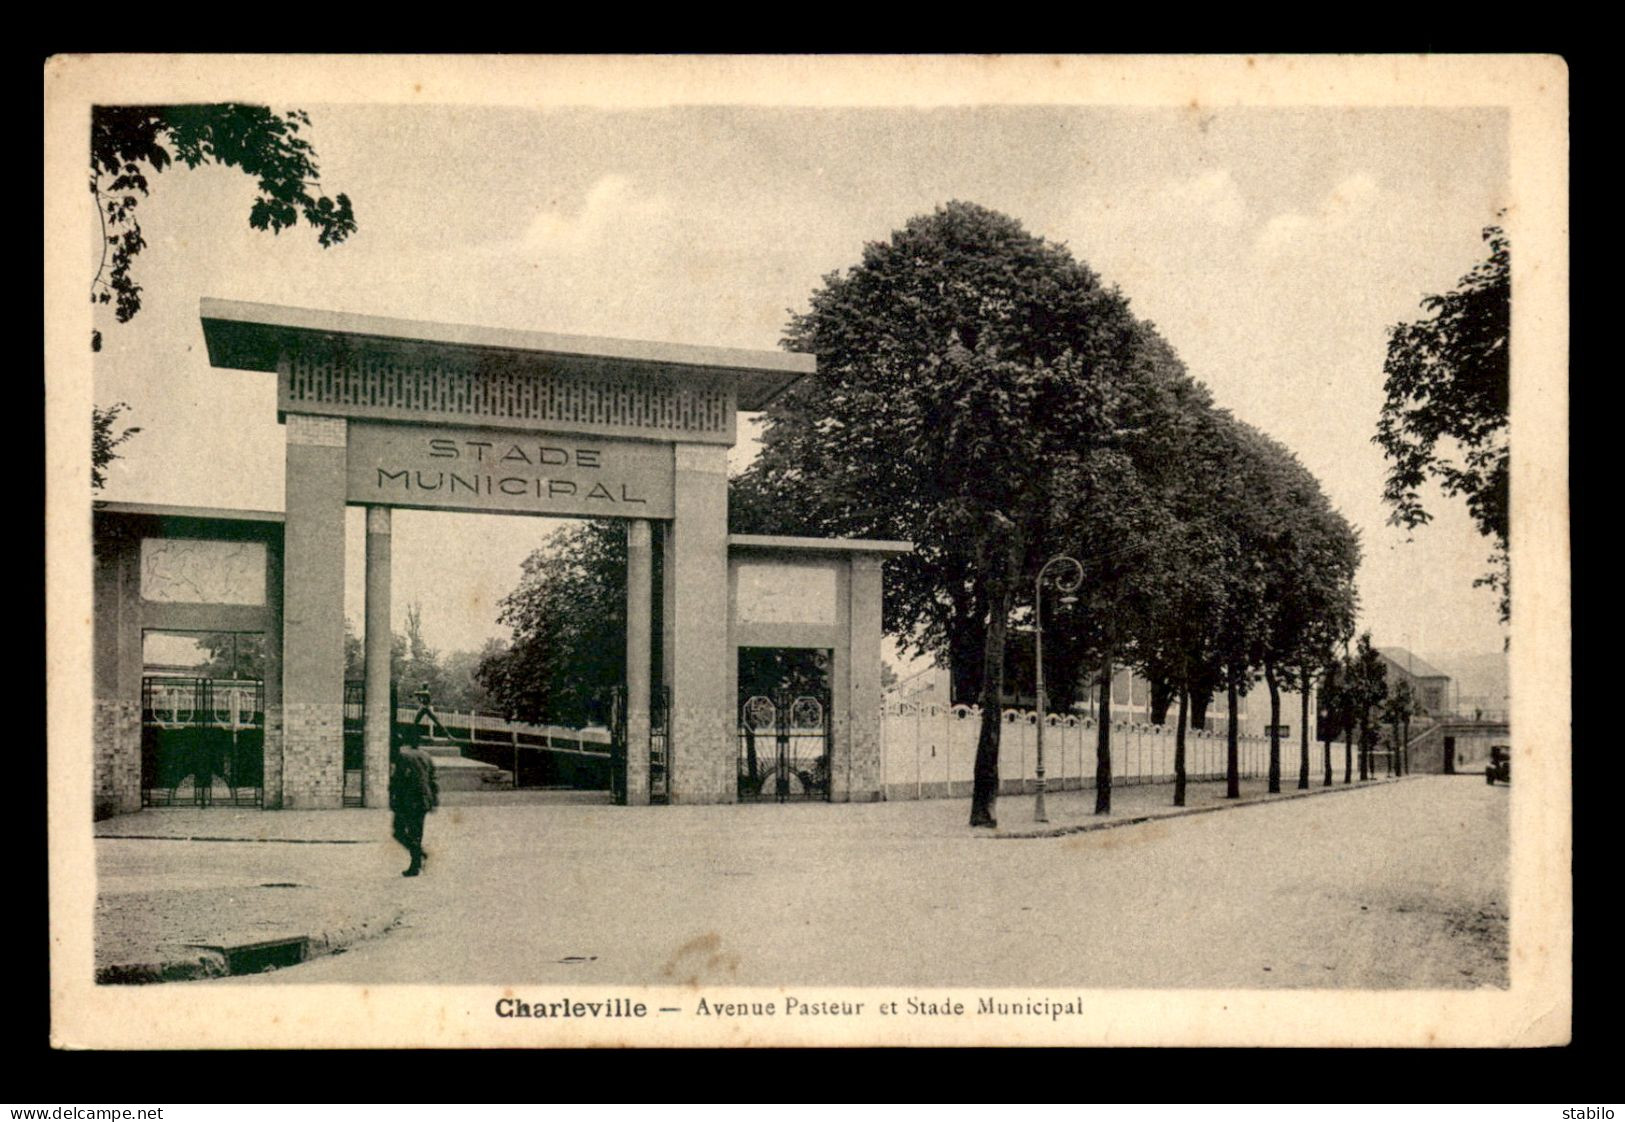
<point x="928" y="751"/>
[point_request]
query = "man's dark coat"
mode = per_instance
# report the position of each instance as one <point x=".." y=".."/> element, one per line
<point x="413" y="789"/>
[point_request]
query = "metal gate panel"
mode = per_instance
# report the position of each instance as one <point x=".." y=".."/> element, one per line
<point x="355" y="748"/>
<point x="784" y="747"/>
<point x="205" y="737"/>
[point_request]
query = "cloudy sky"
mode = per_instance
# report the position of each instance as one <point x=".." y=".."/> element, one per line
<point x="1273" y="247"/>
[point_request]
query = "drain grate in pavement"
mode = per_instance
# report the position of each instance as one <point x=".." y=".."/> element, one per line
<point x="577" y="960"/>
<point x="256" y="958"/>
<point x="283" y="884"/>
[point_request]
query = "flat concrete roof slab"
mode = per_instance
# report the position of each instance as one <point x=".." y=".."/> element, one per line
<point x="816" y="545"/>
<point x="249" y="336"/>
<point x="162" y="510"/>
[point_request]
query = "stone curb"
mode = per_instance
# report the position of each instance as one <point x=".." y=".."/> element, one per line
<point x="1185" y="812"/>
<point x="256" y="841"/>
<point x="193" y="962"/>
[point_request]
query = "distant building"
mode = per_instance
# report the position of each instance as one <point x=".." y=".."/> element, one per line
<point x="1430" y="685"/>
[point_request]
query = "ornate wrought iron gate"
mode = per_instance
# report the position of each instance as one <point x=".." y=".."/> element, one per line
<point x="659" y="745"/>
<point x="355" y="752"/>
<point x="617" y="744"/>
<point x="195" y="730"/>
<point x="784" y="747"/>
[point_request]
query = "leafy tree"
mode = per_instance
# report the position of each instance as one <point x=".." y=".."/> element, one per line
<point x="461" y="685"/>
<point x="568" y="619"/>
<point x="1190" y="640"/>
<point x="420" y="668"/>
<point x="232" y="655"/>
<point x="1310" y="554"/>
<point x="129" y="143"/>
<point x="1445" y="417"/>
<point x="355" y="654"/>
<point x="1401" y="705"/>
<point x="1329" y="715"/>
<point x="1347" y="697"/>
<point x="1111" y="518"/>
<point x="1249" y="531"/>
<point x="960" y="364"/>
<point x="103" y="443"/>
<point x="1367" y="692"/>
<point x="1124" y="509"/>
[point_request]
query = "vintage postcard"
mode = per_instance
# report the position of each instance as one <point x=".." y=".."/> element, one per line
<point x="677" y="551"/>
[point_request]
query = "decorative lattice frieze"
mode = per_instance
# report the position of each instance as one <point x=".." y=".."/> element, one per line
<point x="398" y="385"/>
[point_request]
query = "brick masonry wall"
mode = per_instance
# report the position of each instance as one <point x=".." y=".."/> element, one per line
<point x="323" y="432"/>
<point x="865" y="763"/>
<point x="704" y="770"/>
<point x="116" y="734"/>
<point x="863" y="710"/>
<point x="272" y="791"/>
<point x="312" y="755"/>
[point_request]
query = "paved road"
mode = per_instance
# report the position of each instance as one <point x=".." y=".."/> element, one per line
<point x="1402" y="885"/>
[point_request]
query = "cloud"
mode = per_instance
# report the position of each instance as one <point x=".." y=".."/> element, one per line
<point x="612" y="207"/>
<point x="1212" y="195"/>
<point x="1344" y="205"/>
<point x="1207" y="199"/>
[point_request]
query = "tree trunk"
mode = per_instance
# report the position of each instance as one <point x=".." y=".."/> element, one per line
<point x="1179" y="749"/>
<point x="1303" y="736"/>
<point x="1201" y="698"/>
<point x="1405" y="747"/>
<point x="1103" y="741"/>
<point x="1348" y="750"/>
<point x="1162" y="696"/>
<point x="1232" y="765"/>
<point x="985" y="788"/>
<point x="999" y="556"/>
<point x="1326" y="747"/>
<point x="1275" y="728"/>
<point x="1365" y="746"/>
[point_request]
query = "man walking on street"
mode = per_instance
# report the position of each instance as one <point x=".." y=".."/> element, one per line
<point x="413" y="793"/>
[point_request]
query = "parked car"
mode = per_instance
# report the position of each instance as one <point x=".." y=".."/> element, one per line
<point x="1500" y="765"/>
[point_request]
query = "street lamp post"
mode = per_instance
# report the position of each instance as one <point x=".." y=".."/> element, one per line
<point x="1067" y="584"/>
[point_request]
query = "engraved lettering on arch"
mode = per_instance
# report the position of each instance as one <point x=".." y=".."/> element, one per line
<point x="477" y="469"/>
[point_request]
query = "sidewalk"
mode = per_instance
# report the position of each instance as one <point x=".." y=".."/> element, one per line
<point x="189" y="893"/>
<point x="184" y="893"/>
<point x="1073" y="812"/>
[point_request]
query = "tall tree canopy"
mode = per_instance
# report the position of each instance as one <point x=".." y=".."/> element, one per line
<point x="1308" y="556"/>
<point x="960" y="363"/>
<point x="129" y="143"/>
<point x="982" y="394"/>
<point x="568" y="617"/>
<point x="1445" y="417"/>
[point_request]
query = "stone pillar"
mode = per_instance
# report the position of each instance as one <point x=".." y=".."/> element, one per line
<point x="702" y="740"/>
<point x="639" y="623"/>
<point x="378" y="720"/>
<point x="313" y="614"/>
<point x="117" y="674"/>
<point x="861" y="777"/>
<point x="668" y="601"/>
<point x="271" y="783"/>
